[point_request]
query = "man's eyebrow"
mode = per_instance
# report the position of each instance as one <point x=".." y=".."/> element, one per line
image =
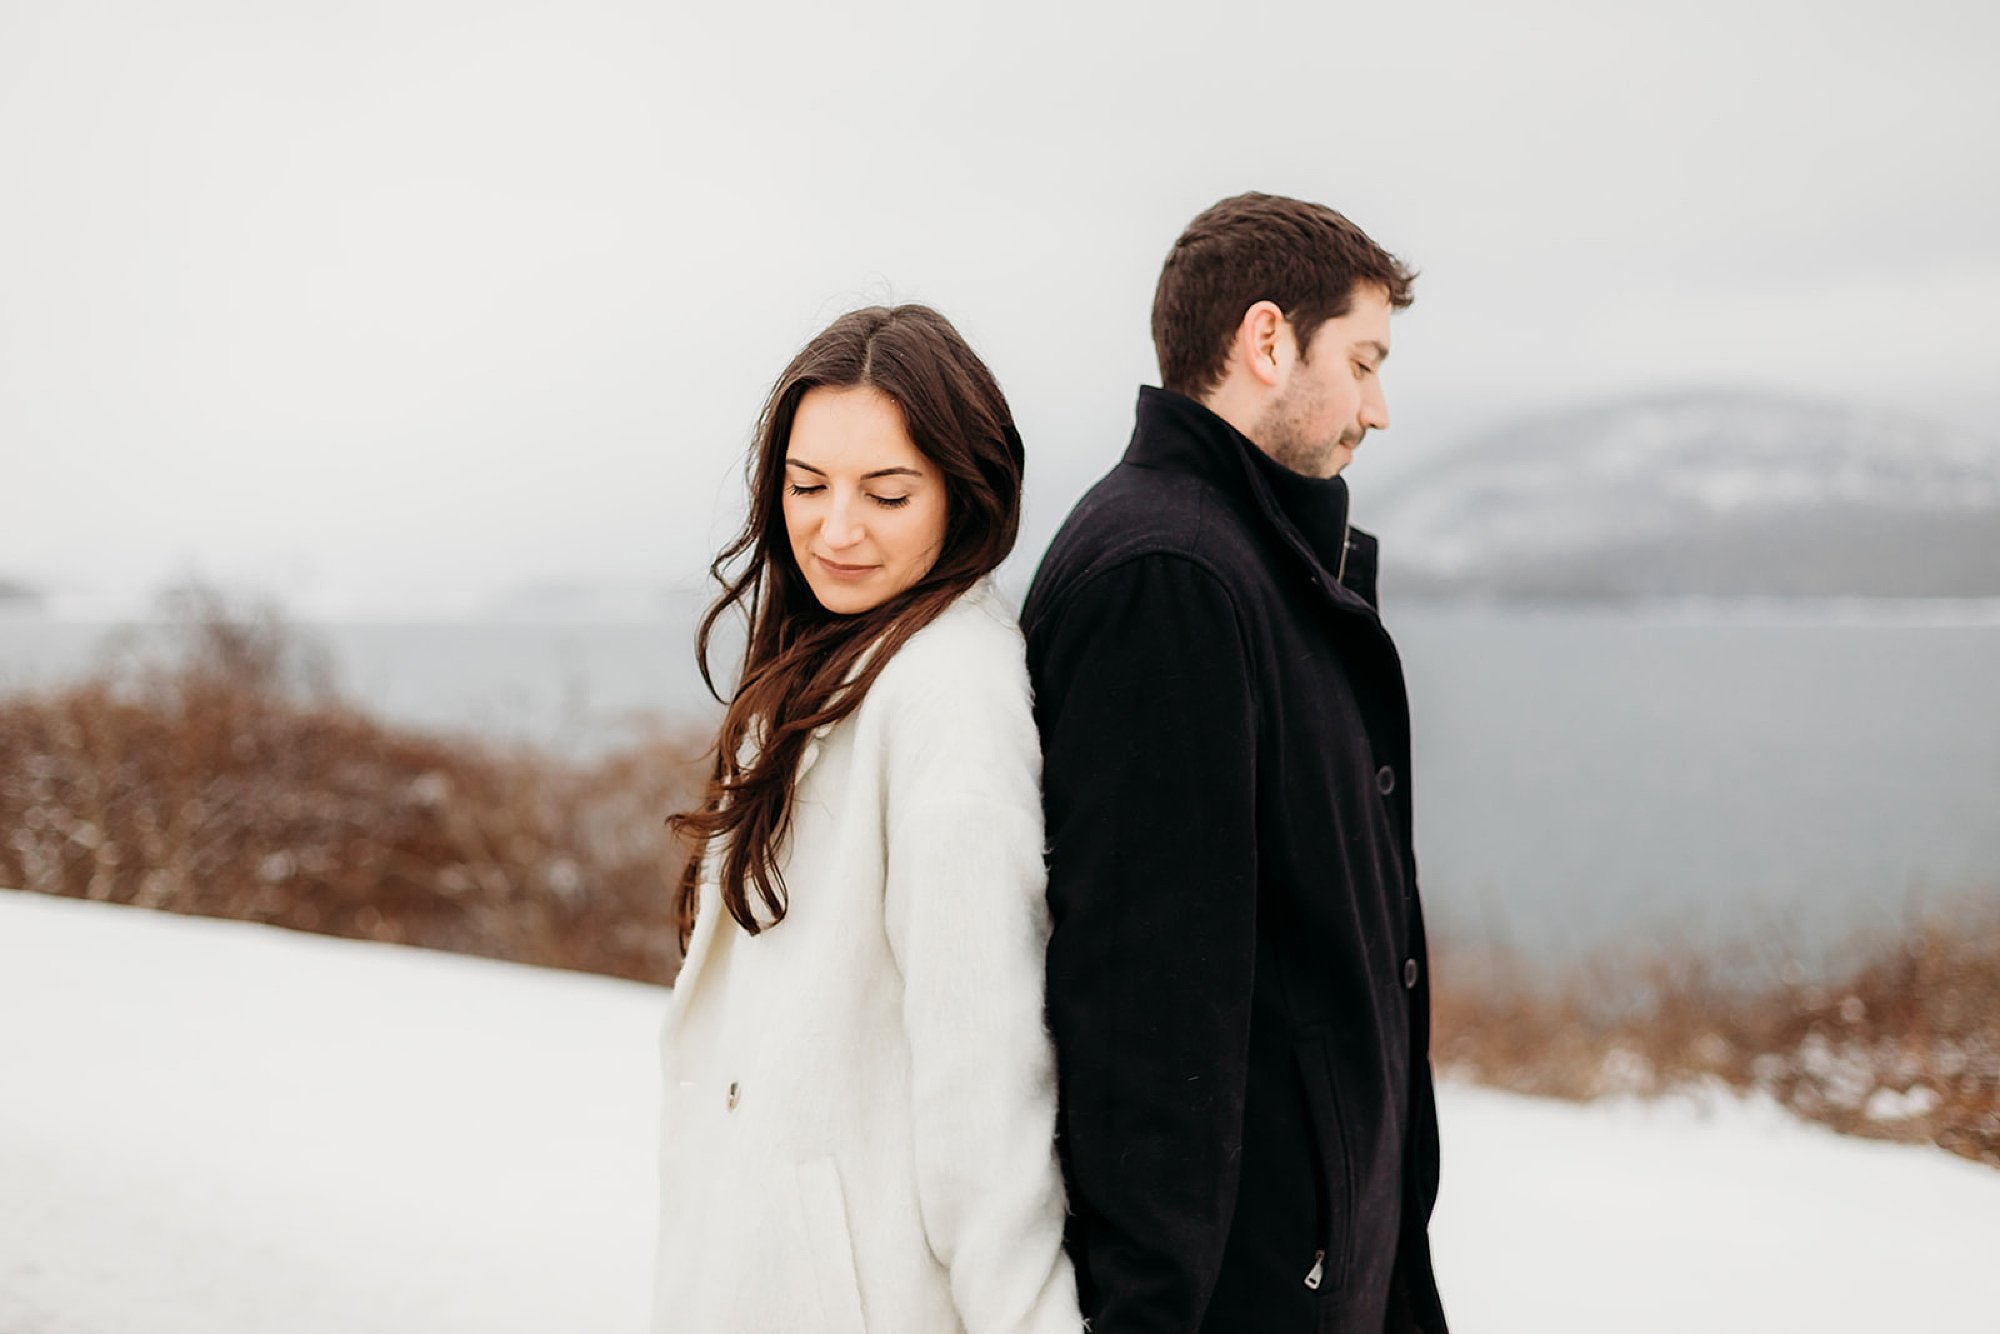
<point x="866" y="476"/>
<point x="1381" y="352"/>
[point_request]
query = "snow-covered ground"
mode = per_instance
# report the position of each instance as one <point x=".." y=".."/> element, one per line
<point x="209" y="1126"/>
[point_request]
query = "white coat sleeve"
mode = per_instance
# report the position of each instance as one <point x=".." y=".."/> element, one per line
<point x="967" y="921"/>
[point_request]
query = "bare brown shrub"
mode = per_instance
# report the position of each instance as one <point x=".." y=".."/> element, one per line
<point x="234" y="783"/>
<point x="1902" y="1042"/>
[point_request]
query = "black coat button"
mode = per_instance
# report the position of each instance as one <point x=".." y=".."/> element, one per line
<point x="1409" y="974"/>
<point x="1385" y="780"/>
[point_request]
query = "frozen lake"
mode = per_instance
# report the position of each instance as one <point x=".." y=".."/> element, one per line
<point x="1582" y="773"/>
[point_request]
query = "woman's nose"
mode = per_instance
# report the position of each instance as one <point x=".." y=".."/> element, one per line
<point x="843" y="526"/>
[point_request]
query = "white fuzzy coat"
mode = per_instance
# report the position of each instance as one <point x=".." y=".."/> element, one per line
<point x="860" y="1101"/>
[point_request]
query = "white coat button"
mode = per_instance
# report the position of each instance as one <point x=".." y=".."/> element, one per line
<point x="734" y="1094"/>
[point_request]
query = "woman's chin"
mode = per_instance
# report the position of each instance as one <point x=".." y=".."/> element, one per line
<point x="847" y="599"/>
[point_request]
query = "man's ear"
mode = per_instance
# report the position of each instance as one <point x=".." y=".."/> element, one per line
<point x="1263" y="343"/>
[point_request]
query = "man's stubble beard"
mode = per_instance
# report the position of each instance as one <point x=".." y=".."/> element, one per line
<point x="1283" y="434"/>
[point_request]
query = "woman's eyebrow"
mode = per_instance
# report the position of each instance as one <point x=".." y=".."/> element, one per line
<point x="866" y="476"/>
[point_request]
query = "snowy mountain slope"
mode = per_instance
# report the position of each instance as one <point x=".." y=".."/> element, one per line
<point x="1716" y="493"/>
<point x="234" y="1129"/>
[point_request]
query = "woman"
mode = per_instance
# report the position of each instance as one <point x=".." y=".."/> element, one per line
<point x="860" y="1095"/>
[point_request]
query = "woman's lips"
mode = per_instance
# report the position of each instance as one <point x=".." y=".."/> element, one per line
<point x="840" y="571"/>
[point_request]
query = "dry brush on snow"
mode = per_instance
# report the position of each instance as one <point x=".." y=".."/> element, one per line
<point x="230" y="781"/>
<point x="1899" y="1041"/>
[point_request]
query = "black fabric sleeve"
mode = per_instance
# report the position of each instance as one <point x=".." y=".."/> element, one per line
<point x="1144" y="698"/>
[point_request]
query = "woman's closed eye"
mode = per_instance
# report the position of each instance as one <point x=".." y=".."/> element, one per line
<point x="886" y="502"/>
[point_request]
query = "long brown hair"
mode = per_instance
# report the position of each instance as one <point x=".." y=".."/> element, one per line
<point x="798" y="658"/>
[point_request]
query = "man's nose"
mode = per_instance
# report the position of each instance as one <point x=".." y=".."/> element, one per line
<point x="1375" y="407"/>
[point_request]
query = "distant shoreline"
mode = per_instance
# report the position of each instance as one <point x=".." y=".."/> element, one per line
<point x="1859" y="609"/>
<point x="1943" y="612"/>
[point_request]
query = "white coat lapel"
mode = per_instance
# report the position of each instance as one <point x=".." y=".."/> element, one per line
<point x="707" y="922"/>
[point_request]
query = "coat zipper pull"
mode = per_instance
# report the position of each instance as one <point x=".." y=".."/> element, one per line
<point x="1319" y="1265"/>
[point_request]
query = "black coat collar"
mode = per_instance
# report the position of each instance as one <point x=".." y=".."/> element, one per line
<point x="1176" y="434"/>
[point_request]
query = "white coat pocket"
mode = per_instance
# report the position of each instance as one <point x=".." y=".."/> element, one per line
<point x="823" y="1211"/>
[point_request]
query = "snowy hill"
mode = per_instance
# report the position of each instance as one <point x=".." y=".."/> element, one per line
<point x="222" y="1128"/>
<point x="1701" y="494"/>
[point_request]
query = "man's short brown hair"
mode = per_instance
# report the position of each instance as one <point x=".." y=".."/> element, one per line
<point x="1305" y="258"/>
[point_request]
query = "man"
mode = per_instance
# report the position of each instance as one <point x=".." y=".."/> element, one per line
<point x="1237" y="976"/>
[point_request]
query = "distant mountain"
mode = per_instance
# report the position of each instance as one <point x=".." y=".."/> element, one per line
<point x="580" y="601"/>
<point x="1701" y="494"/>
<point x="17" y="596"/>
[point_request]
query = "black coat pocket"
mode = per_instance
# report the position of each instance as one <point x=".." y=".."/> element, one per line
<point x="1331" y="1161"/>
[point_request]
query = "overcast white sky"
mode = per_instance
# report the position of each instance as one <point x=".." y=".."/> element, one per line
<point x="385" y="306"/>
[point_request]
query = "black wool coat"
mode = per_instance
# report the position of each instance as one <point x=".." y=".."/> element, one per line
<point x="1237" y="983"/>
